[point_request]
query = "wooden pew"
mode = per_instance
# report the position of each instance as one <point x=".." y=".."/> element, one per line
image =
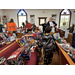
<point x="9" y="50"/>
<point x="64" y="57"/>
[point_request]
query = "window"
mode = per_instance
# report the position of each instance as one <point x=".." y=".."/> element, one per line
<point x="22" y="17"/>
<point x="65" y="18"/>
<point x="42" y="20"/>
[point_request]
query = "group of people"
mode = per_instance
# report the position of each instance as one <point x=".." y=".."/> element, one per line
<point x="11" y="26"/>
<point x="50" y="23"/>
<point x="47" y="42"/>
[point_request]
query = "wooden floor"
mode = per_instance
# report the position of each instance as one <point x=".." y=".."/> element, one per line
<point x="55" y="59"/>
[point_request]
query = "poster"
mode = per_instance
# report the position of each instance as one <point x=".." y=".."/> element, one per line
<point x="54" y="17"/>
<point x="32" y="19"/>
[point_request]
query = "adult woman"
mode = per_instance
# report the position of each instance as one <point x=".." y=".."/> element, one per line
<point x="11" y="26"/>
<point x="52" y="24"/>
<point x="28" y="26"/>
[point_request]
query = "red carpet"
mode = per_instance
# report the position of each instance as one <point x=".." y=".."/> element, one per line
<point x="33" y="59"/>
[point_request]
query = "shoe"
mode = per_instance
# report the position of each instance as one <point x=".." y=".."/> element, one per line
<point x="50" y="61"/>
<point x="40" y="59"/>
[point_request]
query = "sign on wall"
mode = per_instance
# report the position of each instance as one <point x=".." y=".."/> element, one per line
<point x="32" y="19"/>
<point x="54" y="17"/>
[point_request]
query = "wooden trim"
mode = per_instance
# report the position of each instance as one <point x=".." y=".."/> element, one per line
<point x="41" y="18"/>
<point x="64" y="14"/>
<point x="65" y="55"/>
<point x="7" y="47"/>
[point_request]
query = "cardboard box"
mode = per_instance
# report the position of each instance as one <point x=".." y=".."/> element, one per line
<point x="15" y="56"/>
<point x="19" y="35"/>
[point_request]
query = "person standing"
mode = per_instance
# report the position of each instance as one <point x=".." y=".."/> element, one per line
<point x="23" y="24"/>
<point x="28" y="26"/>
<point x="52" y="24"/>
<point x="11" y="26"/>
<point x="34" y="26"/>
<point x="49" y="45"/>
<point x="1" y="26"/>
<point x="44" y="26"/>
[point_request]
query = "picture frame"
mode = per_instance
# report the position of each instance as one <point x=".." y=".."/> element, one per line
<point x="32" y="19"/>
<point x="54" y="17"/>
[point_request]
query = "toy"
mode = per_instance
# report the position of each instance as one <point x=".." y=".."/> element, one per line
<point x="3" y="61"/>
<point x="8" y="42"/>
<point x="56" y="35"/>
<point x="2" y="43"/>
<point x="33" y="49"/>
<point x="74" y="52"/>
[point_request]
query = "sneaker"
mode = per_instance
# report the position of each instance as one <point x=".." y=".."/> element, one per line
<point x="40" y="59"/>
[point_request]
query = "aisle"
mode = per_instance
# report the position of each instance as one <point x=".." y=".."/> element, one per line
<point x="55" y="60"/>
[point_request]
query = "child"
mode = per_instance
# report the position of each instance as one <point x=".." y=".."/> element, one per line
<point x="38" y="36"/>
<point x="48" y="45"/>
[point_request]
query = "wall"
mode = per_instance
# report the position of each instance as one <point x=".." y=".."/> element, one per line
<point x="1" y="14"/>
<point x="12" y="13"/>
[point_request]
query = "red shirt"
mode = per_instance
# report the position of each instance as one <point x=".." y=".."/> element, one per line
<point x="28" y="26"/>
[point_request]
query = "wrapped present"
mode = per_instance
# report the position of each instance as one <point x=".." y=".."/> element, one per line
<point x="15" y="56"/>
<point x="33" y="49"/>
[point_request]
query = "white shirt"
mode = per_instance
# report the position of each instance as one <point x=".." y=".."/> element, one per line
<point x="51" y="24"/>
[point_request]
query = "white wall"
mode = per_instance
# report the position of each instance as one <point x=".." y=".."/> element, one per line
<point x="12" y="13"/>
<point x="1" y="14"/>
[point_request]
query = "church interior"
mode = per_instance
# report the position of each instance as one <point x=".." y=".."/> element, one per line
<point x="22" y="30"/>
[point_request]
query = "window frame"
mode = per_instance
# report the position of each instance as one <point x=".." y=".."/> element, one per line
<point x="41" y="18"/>
<point x="21" y="15"/>
<point x="65" y="14"/>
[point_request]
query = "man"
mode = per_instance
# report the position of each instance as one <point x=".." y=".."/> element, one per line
<point x="44" y="26"/>
<point x="52" y="24"/>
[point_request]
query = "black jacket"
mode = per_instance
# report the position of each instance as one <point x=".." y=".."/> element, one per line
<point x="48" y="43"/>
<point x="48" y="24"/>
<point x="44" y="26"/>
<point x="1" y="26"/>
